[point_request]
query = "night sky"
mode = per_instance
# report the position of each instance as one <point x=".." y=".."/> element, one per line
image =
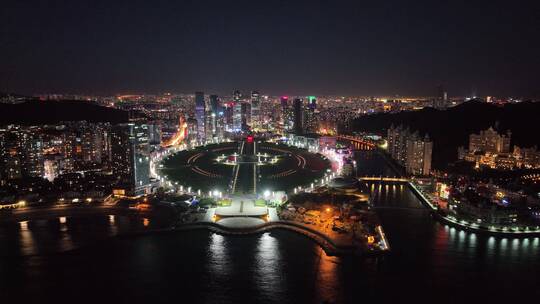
<point x="279" y="47"/>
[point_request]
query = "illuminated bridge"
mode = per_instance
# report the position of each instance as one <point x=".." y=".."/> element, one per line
<point x="384" y="179"/>
<point x="358" y="142"/>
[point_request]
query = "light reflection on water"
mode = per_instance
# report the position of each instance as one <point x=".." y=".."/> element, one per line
<point x="269" y="265"/>
<point x="218" y="256"/>
<point x="63" y="233"/>
<point x="327" y="281"/>
<point x="27" y="244"/>
<point x="112" y="225"/>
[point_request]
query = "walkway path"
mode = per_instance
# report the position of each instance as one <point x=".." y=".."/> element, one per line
<point x="245" y="171"/>
<point x="241" y="206"/>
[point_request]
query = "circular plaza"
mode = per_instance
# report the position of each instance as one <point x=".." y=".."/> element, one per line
<point x="243" y="168"/>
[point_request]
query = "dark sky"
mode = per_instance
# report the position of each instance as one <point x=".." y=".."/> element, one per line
<point x="279" y="47"/>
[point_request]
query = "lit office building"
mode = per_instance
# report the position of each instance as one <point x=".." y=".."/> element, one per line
<point x="200" y="116"/>
<point x="298" y="113"/>
<point x="215" y="118"/>
<point x="130" y="157"/>
<point x="286" y="114"/>
<point x="228" y="116"/>
<point x="255" y="110"/>
<point x="246" y="115"/>
<point x="237" y="117"/>
<point x="311" y="116"/>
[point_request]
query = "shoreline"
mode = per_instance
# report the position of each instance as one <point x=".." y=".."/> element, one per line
<point x="455" y="223"/>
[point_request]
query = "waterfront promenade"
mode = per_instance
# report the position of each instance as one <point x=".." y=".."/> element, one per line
<point x="427" y="202"/>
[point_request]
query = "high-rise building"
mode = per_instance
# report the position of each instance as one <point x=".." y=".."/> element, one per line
<point x="298" y="110"/>
<point x="237" y="117"/>
<point x="228" y="116"/>
<point x="200" y="116"/>
<point x="214" y="104"/>
<point x="21" y="154"/>
<point x="191" y="130"/>
<point x="214" y="118"/>
<point x="130" y="153"/>
<point x="286" y="113"/>
<point x="310" y="122"/>
<point x="419" y="152"/>
<point x="312" y="103"/>
<point x="410" y="150"/>
<point x="10" y="157"/>
<point x="92" y="144"/>
<point x="32" y="147"/>
<point x="154" y="133"/>
<point x="255" y="109"/>
<point x="246" y="115"/>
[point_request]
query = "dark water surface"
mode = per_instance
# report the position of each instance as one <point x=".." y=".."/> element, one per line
<point x="429" y="262"/>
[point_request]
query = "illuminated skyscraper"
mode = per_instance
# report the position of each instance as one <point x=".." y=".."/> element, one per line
<point x="214" y="104"/>
<point x="286" y="113"/>
<point x="246" y="115"/>
<point x="228" y="116"/>
<point x="130" y="153"/>
<point x="214" y="118"/>
<point x="255" y="109"/>
<point x="311" y="116"/>
<point x="237" y="117"/>
<point x="312" y="103"/>
<point x="200" y="116"/>
<point x="298" y="111"/>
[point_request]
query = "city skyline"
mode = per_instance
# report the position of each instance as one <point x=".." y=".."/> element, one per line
<point x="300" y="48"/>
<point x="278" y="151"/>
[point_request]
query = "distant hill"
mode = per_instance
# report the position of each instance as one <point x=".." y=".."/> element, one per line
<point x="450" y="128"/>
<point x="34" y="112"/>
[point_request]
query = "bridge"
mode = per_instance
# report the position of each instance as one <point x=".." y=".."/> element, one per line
<point x="358" y="141"/>
<point x="384" y="179"/>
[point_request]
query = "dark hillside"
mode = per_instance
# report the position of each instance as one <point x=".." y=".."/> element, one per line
<point x="35" y="112"/>
<point x="451" y="128"/>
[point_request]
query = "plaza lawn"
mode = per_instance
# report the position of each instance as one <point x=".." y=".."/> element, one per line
<point x="198" y="169"/>
<point x="178" y="170"/>
<point x="224" y="203"/>
<point x="273" y="177"/>
<point x="260" y="203"/>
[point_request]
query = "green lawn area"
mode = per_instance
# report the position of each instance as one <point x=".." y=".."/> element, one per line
<point x="224" y="203"/>
<point x="177" y="169"/>
<point x="260" y="203"/>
